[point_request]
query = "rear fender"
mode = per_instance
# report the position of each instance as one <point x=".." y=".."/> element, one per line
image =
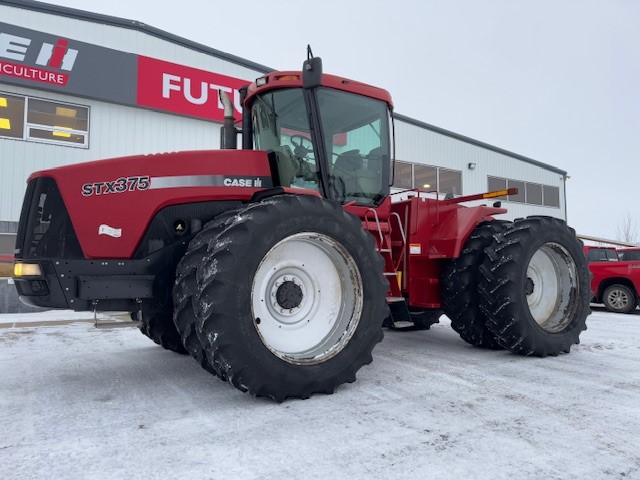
<point x="442" y="229"/>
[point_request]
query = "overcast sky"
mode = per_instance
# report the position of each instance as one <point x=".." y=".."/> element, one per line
<point x="554" y="80"/>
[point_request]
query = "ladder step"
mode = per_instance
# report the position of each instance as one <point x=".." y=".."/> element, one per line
<point x="383" y="250"/>
<point x="107" y="324"/>
<point x="395" y="299"/>
<point x="390" y="274"/>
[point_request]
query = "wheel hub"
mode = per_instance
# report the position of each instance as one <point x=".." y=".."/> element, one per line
<point x="289" y="295"/>
<point x="529" y="286"/>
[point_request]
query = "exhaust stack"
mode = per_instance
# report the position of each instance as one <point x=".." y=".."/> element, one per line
<point x="228" y="132"/>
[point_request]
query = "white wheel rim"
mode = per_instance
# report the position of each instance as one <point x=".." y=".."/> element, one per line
<point x="552" y="287"/>
<point x="306" y="298"/>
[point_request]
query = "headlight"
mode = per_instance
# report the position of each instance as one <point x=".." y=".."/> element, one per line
<point x="26" y="270"/>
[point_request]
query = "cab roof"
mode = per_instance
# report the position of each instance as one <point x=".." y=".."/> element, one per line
<point x="293" y="79"/>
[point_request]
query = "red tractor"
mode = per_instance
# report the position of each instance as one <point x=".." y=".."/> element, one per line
<point x="278" y="265"/>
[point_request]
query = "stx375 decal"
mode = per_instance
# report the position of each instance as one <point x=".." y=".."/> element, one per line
<point x="122" y="184"/>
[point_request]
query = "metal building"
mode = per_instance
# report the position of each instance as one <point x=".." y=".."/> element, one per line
<point x="78" y="86"/>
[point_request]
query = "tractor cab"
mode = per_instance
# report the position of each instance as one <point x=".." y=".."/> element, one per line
<point x="322" y="133"/>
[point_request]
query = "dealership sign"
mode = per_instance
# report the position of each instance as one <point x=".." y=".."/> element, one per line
<point x="35" y="59"/>
<point x="185" y="90"/>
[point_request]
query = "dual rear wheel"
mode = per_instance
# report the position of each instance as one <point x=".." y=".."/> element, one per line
<point x="522" y="286"/>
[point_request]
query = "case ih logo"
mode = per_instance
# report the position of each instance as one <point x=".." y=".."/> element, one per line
<point x="57" y="56"/>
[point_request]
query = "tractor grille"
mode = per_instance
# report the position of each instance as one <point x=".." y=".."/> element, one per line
<point x="45" y="229"/>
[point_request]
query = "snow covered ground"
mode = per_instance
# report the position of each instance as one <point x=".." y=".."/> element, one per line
<point x="78" y="402"/>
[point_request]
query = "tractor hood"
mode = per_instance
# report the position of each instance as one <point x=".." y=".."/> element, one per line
<point x="111" y="202"/>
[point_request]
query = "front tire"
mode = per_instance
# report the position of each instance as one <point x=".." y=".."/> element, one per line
<point x="535" y="287"/>
<point x="291" y="298"/>
<point x="185" y="289"/>
<point x="619" y="299"/>
<point x="157" y="324"/>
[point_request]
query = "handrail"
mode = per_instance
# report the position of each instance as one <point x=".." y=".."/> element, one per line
<point x="403" y="234"/>
<point x="377" y="219"/>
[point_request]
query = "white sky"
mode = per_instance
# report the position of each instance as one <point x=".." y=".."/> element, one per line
<point x="556" y="81"/>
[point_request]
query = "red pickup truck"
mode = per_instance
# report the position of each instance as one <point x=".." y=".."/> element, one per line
<point x="615" y="283"/>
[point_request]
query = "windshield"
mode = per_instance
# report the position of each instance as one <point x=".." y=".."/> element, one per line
<point x="358" y="144"/>
<point x="281" y="126"/>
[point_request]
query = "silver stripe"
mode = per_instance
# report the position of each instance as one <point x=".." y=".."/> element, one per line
<point x="188" y="181"/>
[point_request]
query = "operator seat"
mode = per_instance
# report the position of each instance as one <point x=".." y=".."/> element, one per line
<point x="370" y="178"/>
<point x="287" y="165"/>
<point x="345" y="167"/>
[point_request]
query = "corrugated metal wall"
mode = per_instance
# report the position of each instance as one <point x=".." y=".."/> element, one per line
<point x="419" y="145"/>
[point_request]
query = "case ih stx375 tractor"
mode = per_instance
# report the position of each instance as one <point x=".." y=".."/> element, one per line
<point x="277" y="265"/>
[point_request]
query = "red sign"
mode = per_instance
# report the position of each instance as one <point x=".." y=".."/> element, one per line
<point x="185" y="90"/>
<point x="33" y="73"/>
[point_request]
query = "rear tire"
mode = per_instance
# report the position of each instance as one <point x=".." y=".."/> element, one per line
<point x="460" y="277"/>
<point x="535" y="287"/>
<point x="291" y="298"/>
<point x="619" y="299"/>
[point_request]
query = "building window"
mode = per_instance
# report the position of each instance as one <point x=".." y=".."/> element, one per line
<point x="57" y="122"/>
<point x="426" y="178"/>
<point x="534" y="193"/>
<point x="531" y="193"/>
<point x="520" y="196"/>
<point x="11" y="116"/>
<point x="403" y="177"/>
<point x="38" y="120"/>
<point x="495" y="183"/>
<point x="551" y="196"/>
<point x="450" y="181"/>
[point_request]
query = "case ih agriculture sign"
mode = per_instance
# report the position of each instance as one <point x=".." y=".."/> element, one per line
<point x="36" y="59"/>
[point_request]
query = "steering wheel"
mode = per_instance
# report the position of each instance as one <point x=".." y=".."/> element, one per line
<point x="300" y="150"/>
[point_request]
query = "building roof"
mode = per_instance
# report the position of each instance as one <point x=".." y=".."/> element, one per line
<point x="132" y="25"/>
<point x="156" y="32"/>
